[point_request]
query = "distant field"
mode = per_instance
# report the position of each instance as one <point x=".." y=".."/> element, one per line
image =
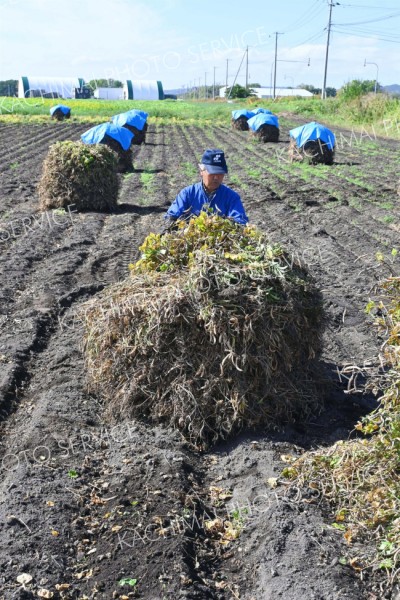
<point x="92" y="110"/>
<point x="380" y="115"/>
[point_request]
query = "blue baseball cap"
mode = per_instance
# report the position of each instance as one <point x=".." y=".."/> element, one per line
<point x="214" y="161"/>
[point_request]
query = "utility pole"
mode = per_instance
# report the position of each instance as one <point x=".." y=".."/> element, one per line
<point x="226" y="84"/>
<point x="275" y="61"/>
<point x="214" y="84"/>
<point x="247" y="67"/>
<point x="205" y="85"/>
<point x="236" y="76"/>
<point x="331" y="5"/>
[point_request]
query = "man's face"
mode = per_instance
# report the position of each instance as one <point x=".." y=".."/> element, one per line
<point x="211" y="181"/>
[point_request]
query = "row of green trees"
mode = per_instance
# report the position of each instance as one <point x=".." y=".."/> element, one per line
<point x="100" y="83"/>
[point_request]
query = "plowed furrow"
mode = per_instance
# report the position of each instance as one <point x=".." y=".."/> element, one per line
<point x="36" y="146"/>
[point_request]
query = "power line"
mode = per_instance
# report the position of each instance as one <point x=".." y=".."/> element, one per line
<point x="313" y="37"/>
<point x="367" y="35"/>
<point x="384" y="35"/>
<point x="372" y="7"/>
<point x="305" y="19"/>
<point x="371" y="32"/>
<point x="396" y="14"/>
<point x="303" y="16"/>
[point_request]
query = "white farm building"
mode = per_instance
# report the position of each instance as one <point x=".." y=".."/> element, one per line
<point x="143" y="90"/>
<point x="108" y="93"/>
<point x="279" y="92"/>
<point x="50" y="87"/>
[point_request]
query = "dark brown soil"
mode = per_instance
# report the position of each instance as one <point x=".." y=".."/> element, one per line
<point x="87" y="505"/>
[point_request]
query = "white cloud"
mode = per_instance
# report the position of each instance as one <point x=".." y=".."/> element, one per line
<point x="88" y="35"/>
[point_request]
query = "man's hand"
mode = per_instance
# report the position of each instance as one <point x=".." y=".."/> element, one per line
<point x="170" y="224"/>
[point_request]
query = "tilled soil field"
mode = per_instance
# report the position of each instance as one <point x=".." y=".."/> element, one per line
<point x="93" y="511"/>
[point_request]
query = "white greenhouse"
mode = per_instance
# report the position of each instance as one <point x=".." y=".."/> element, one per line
<point x="49" y="87"/>
<point x="143" y="90"/>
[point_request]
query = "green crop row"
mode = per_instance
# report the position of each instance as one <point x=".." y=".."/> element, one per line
<point x="379" y="113"/>
<point x="166" y="111"/>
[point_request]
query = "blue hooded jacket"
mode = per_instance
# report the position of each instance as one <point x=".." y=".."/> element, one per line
<point x="193" y="198"/>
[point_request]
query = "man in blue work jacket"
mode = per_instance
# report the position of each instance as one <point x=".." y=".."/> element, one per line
<point x="209" y="193"/>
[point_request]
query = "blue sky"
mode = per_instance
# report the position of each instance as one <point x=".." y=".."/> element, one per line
<point x="180" y="41"/>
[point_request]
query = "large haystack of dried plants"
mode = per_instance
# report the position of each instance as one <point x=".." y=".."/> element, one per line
<point x="266" y="133"/>
<point x="215" y="330"/>
<point x="312" y="152"/>
<point x="80" y="175"/>
<point x="240" y="123"/>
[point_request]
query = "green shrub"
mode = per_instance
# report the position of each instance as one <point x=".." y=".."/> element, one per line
<point x="356" y="88"/>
